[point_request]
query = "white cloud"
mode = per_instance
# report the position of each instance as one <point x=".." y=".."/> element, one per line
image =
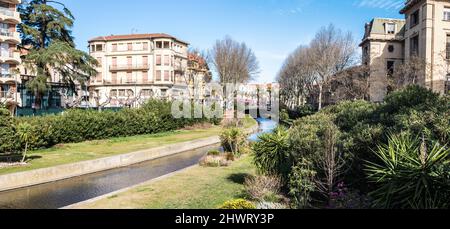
<point x="380" y="4"/>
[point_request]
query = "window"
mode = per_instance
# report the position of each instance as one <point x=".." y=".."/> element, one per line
<point x="114" y="47"/>
<point x="145" y="77"/>
<point x="414" y="46"/>
<point x="158" y="60"/>
<point x="113" y="93"/>
<point x="391" y="48"/>
<point x="92" y="48"/>
<point x="166" y="76"/>
<point x="129" y="46"/>
<point x="158" y="75"/>
<point x="447" y="14"/>
<point x="366" y="51"/>
<point x="129" y="77"/>
<point x="159" y="44"/>
<point x="99" y="48"/>
<point x="166" y="44"/>
<point x="447" y="85"/>
<point x="114" y="77"/>
<point x="99" y="77"/>
<point x="145" y="46"/>
<point x="166" y="60"/>
<point x="390" y="28"/>
<point x="390" y="67"/>
<point x="448" y="47"/>
<point x="414" y="19"/>
<point x="122" y="92"/>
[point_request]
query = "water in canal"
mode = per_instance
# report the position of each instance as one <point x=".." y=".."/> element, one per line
<point x="70" y="191"/>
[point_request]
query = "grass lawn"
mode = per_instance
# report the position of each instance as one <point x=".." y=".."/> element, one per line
<point x="76" y="152"/>
<point x="194" y="188"/>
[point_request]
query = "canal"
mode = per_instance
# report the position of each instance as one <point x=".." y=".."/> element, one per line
<point x="74" y="190"/>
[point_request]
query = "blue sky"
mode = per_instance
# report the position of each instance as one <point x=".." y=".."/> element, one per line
<point x="272" y="28"/>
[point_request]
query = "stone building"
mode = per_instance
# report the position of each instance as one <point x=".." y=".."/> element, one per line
<point x="424" y="33"/>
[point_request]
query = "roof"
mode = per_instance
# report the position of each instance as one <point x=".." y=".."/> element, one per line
<point x="377" y="27"/>
<point x="135" y="37"/>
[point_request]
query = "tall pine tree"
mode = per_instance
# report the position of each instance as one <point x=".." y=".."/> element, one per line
<point x="47" y="37"/>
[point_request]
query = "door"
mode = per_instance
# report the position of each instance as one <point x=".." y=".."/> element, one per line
<point x="114" y="62"/>
<point x="145" y="61"/>
<point x="129" y="62"/>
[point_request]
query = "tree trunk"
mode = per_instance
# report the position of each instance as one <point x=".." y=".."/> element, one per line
<point x="320" y="95"/>
<point x="25" y="153"/>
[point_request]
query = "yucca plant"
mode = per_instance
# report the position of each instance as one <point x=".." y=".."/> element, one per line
<point x="232" y="139"/>
<point x="272" y="155"/>
<point x="409" y="175"/>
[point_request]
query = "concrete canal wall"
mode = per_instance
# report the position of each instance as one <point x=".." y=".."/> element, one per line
<point x="46" y="175"/>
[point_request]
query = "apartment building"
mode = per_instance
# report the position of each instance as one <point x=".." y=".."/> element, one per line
<point x="134" y="68"/>
<point x="424" y="33"/>
<point x="9" y="55"/>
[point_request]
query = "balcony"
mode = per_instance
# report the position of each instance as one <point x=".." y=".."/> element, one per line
<point x="10" y="57"/>
<point x="6" y="95"/>
<point x="128" y="67"/>
<point x="8" y="78"/>
<point x="9" y="37"/>
<point x="9" y="16"/>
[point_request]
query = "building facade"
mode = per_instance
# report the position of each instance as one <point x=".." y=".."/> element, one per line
<point x="134" y="68"/>
<point x="9" y="54"/>
<point x="424" y="33"/>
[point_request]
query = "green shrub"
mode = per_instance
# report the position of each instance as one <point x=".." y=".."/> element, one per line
<point x="83" y="125"/>
<point x="272" y="153"/>
<point x="238" y="204"/>
<point x="7" y="133"/>
<point x="409" y="175"/>
<point x="307" y="137"/>
<point x="302" y="184"/>
<point x="214" y="153"/>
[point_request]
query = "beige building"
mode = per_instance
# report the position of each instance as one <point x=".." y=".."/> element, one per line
<point x="425" y="33"/>
<point x="134" y="68"/>
<point x="9" y="55"/>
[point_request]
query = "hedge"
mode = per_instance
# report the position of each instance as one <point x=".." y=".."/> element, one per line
<point x="75" y="125"/>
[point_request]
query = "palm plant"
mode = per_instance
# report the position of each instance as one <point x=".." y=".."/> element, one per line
<point x="232" y="140"/>
<point x="24" y="132"/>
<point x="409" y="175"/>
<point x="272" y="155"/>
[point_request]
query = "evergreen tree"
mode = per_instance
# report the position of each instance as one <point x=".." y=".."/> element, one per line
<point x="47" y="37"/>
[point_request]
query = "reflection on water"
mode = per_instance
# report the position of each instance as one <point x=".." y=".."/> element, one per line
<point x="66" y="192"/>
<point x="265" y="126"/>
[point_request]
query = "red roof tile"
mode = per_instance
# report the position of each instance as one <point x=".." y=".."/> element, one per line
<point x="135" y="36"/>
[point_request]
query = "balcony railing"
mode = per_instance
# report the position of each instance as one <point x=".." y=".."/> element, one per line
<point x="6" y="95"/>
<point x="129" y="67"/>
<point x="7" y="12"/>
<point x="7" y="75"/>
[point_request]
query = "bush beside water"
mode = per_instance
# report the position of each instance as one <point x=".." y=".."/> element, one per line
<point x="74" y="126"/>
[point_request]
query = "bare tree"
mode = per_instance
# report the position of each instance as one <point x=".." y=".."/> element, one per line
<point x="233" y="61"/>
<point x="331" y="164"/>
<point x="411" y="71"/>
<point x="331" y="51"/>
<point x="351" y="84"/>
<point x="296" y="77"/>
